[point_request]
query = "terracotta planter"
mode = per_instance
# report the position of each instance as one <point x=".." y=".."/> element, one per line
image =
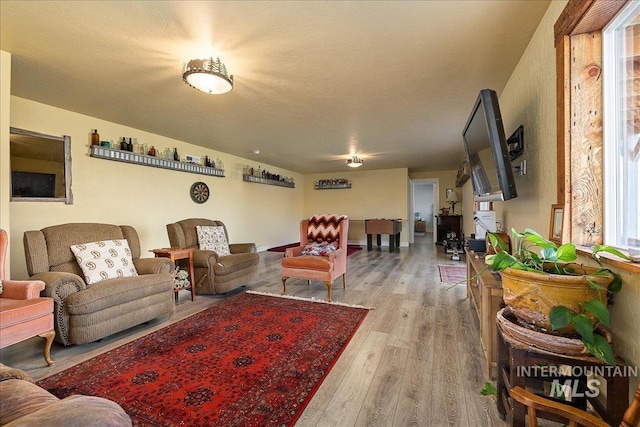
<point x="531" y="296"/>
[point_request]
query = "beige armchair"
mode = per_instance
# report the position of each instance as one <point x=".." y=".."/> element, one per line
<point x="215" y="274"/>
<point x="85" y="312"/>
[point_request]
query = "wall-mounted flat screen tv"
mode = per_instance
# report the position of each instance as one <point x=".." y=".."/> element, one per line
<point x="487" y="151"/>
<point x="32" y="184"/>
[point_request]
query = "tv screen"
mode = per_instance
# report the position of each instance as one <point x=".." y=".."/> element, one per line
<point x="32" y="184"/>
<point x="487" y="151"/>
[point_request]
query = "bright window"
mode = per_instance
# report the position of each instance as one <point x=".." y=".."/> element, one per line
<point x="621" y="54"/>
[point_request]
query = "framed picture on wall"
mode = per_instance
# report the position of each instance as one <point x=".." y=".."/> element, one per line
<point x="555" y="229"/>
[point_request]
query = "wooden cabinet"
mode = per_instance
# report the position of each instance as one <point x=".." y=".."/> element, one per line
<point x="447" y="224"/>
<point x="485" y="295"/>
<point x="420" y="227"/>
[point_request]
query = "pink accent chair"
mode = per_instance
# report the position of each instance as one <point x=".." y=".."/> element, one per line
<point x="319" y="229"/>
<point x="23" y="313"/>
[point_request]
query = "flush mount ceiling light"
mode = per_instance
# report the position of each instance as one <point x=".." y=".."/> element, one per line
<point x="207" y="75"/>
<point x="355" y="162"/>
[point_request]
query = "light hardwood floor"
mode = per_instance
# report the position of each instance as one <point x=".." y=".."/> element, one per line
<point x="415" y="360"/>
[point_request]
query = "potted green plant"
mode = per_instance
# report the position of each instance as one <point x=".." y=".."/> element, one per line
<point x="545" y="287"/>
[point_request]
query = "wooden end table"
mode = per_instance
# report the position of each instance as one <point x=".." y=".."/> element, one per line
<point x="521" y="364"/>
<point x="175" y="254"/>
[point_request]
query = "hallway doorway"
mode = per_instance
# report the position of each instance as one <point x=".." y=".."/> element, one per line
<point x="424" y="205"/>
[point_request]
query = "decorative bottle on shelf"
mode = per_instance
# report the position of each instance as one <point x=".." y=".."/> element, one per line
<point x="207" y="162"/>
<point x="176" y="156"/>
<point x="220" y="165"/>
<point x="152" y="151"/>
<point x="130" y="145"/>
<point x="123" y="144"/>
<point x="95" y="137"/>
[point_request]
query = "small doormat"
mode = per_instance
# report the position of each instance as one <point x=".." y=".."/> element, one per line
<point x="350" y="248"/>
<point x="452" y="273"/>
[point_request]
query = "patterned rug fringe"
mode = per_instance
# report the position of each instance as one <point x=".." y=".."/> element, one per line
<point x="269" y="294"/>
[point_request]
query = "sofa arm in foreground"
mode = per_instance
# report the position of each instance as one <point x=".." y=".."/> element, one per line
<point x="153" y="265"/>
<point x="242" y="248"/>
<point x="21" y="289"/>
<point x="23" y="403"/>
<point x="60" y="285"/>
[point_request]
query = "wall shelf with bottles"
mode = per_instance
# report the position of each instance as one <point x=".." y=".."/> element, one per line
<point x="100" y="152"/>
<point x="332" y="184"/>
<point x="260" y="180"/>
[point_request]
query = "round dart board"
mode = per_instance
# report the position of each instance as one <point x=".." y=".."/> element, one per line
<point x="199" y="192"/>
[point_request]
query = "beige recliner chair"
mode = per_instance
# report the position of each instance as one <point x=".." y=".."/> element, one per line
<point x="215" y="274"/>
<point x="85" y="312"/>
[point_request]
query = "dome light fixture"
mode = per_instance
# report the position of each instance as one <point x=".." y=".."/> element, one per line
<point x="355" y="162"/>
<point x="207" y="75"/>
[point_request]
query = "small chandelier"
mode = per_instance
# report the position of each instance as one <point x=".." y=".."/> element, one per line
<point x="207" y="75"/>
<point x="355" y="162"/>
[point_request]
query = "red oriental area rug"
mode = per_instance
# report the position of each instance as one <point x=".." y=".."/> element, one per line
<point x="350" y="248"/>
<point x="251" y="360"/>
<point x="452" y="273"/>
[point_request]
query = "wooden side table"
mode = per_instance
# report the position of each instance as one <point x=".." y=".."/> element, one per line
<point x="175" y="254"/>
<point x="520" y="364"/>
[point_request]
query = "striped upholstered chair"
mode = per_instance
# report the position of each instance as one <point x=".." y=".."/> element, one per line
<point x="322" y="254"/>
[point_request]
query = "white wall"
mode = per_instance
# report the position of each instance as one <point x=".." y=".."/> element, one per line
<point x="373" y="194"/>
<point x="529" y="98"/>
<point x="5" y="165"/>
<point x="145" y="197"/>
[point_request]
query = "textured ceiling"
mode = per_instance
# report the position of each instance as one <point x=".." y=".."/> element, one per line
<point x="315" y="82"/>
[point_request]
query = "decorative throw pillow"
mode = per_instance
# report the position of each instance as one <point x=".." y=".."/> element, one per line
<point x="105" y="259"/>
<point x="212" y="238"/>
<point x="324" y="228"/>
<point x="319" y="249"/>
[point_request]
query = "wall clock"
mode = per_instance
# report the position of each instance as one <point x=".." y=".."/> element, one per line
<point x="199" y="192"/>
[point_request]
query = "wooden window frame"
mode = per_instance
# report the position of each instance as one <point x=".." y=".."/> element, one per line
<point x="578" y="43"/>
<point x="66" y="146"/>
